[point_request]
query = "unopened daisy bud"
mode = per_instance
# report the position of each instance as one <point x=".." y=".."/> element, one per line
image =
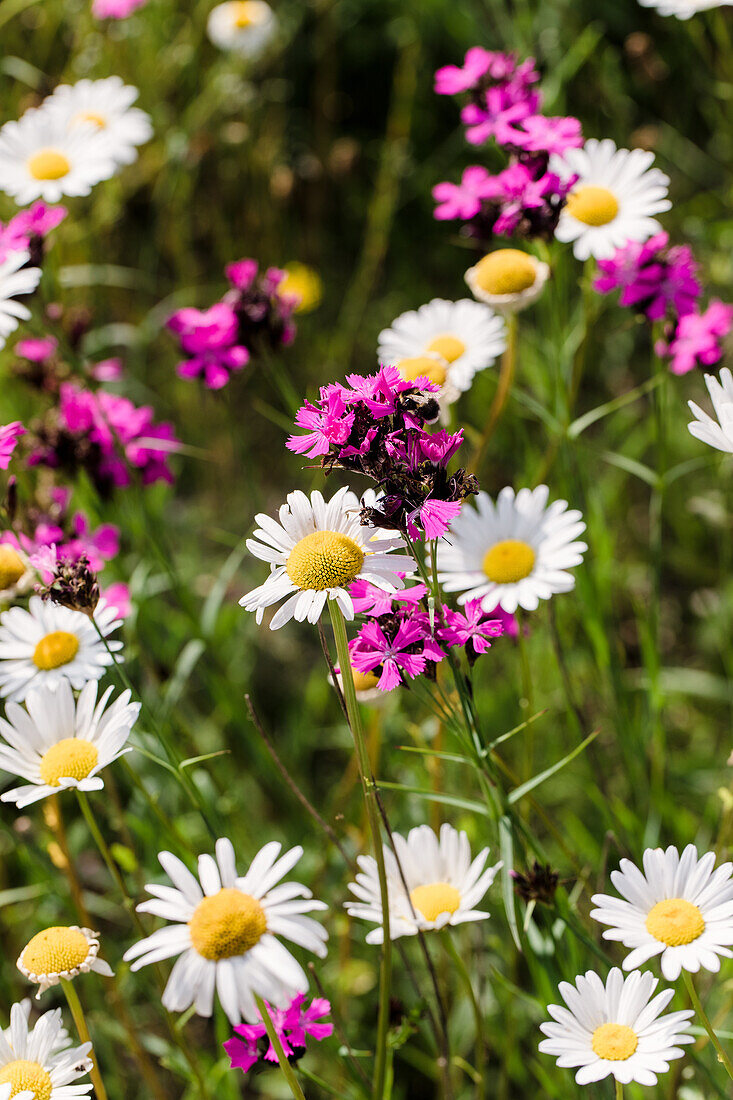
<point x="61" y="952"/>
<point x="508" y="279"/>
<point x="244" y="26"/>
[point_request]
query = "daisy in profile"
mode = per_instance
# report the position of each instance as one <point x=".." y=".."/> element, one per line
<point x="16" y="280"/>
<point x="615" y="1029"/>
<point x="61" y="952"/>
<point x="513" y="553"/>
<point x="47" y="644"/>
<point x="315" y="551"/>
<point x="57" y="742"/>
<point x="39" y="1061"/>
<point x="106" y="105"/>
<point x="41" y="159"/>
<point x="244" y="26"/>
<point x="684" y="9"/>
<point x="443" y="883"/>
<point x="507" y="279"/>
<point x="614" y="199"/>
<point x="224" y="932"/>
<point x="465" y="337"/>
<point x="16" y="572"/>
<point x="716" y="431"/>
<point x="679" y="907"/>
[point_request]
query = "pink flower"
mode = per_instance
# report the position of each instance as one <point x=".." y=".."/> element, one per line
<point x="698" y="338"/>
<point x="452" y="79"/>
<point x="28" y="227"/>
<point x="463" y="200"/>
<point x="293" y="1025"/>
<point x="328" y="425"/>
<point x="117" y="596"/>
<point x="472" y="626"/>
<point x="499" y="117"/>
<point x="435" y="517"/>
<point x="115" y="9"/>
<point x="36" y="349"/>
<point x="370" y="600"/>
<point x="652" y="278"/>
<point x="242" y="273"/>
<point x="540" y="134"/>
<point x="209" y="336"/>
<point x="98" y="545"/>
<point x="107" y="370"/>
<point x="404" y="654"/>
<point x="9" y="436"/>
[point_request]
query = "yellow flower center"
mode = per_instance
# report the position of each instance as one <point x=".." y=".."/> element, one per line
<point x="448" y="346"/>
<point x="324" y="559"/>
<point x="72" y="758"/>
<point x="509" y="561"/>
<point x="364" y="681"/>
<point x="422" y="366"/>
<point x="675" y="922"/>
<point x="304" y="283"/>
<point x="55" y="950"/>
<point x="89" y="116"/>
<point x="593" y="205"/>
<point x="506" y="271"/>
<point x="435" y="899"/>
<point x="55" y="649"/>
<point x="25" y="1076"/>
<point x="226" y="924"/>
<point x="48" y="164"/>
<point x="11" y="567"/>
<point x="615" y="1042"/>
<point x="244" y="14"/>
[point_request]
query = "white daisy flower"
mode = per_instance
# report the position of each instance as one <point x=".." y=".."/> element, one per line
<point x="61" y="952"/>
<point x="244" y="26"/>
<point x="41" y="159"/>
<point x="225" y="932"/>
<point x="464" y="336"/>
<point x="106" y="105"/>
<point x="615" y="1029"/>
<point x="684" y="9"/>
<point x="443" y="884"/>
<point x="613" y="199"/>
<point x="513" y="553"/>
<point x="680" y="907"/>
<point x="48" y="643"/>
<point x="15" y="280"/>
<point x="716" y="433"/>
<point x="41" y="1060"/>
<point x="16" y="572"/>
<point x="57" y="742"/>
<point x="507" y="279"/>
<point x="315" y="552"/>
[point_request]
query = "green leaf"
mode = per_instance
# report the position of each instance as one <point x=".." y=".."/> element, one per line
<point x="200" y="759"/>
<point x="525" y="788"/>
<point x="631" y="466"/>
<point x="506" y="849"/>
<point x="437" y="796"/>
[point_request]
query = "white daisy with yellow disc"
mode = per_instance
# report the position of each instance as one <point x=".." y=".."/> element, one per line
<point x="225" y="930"/>
<point x="40" y="158"/>
<point x="48" y="643"/>
<point x="615" y="1029"/>
<point x="447" y="341"/>
<point x="514" y="552"/>
<point x="56" y="742"/>
<point x="716" y="430"/>
<point x="17" y="280"/>
<point x="507" y="279"/>
<point x="244" y="26"/>
<point x="107" y="106"/>
<point x="315" y="551"/>
<point x="39" y="1061"/>
<point x="444" y="885"/>
<point x="680" y="907"/>
<point x="61" y="952"/>
<point x="614" y="199"/>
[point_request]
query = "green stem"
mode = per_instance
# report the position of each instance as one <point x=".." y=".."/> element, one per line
<point x="272" y="1035"/>
<point x="701" y="1013"/>
<point x="108" y="858"/>
<point x="77" y="1012"/>
<point x="619" y="1091"/>
<point x="479" y="1024"/>
<point x="370" y="797"/>
<point x="503" y="389"/>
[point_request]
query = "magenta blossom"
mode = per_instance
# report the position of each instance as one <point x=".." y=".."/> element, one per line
<point x="107" y="370"/>
<point x="98" y="545"/>
<point x="9" y="436"/>
<point x="209" y="337"/>
<point x="463" y="200"/>
<point x="115" y="9"/>
<point x="326" y="426"/>
<point x="399" y="653"/>
<point x="370" y="600"/>
<point x="470" y="627"/>
<point x="263" y="313"/>
<point x="502" y="110"/>
<point x="293" y="1025"/>
<point x="28" y="228"/>
<point x="698" y="338"/>
<point x="481" y="67"/>
<point x="654" y="279"/>
<point x="540" y="134"/>
<point x="37" y="349"/>
<point x="117" y="596"/>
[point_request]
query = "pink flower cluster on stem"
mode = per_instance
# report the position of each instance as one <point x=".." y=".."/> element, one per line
<point x="9" y="436"/>
<point x="27" y="230"/>
<point x="294" y="1025"/>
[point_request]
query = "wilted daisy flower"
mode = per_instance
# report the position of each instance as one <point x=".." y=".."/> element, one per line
<point x="443" y="883"/>
<point x="464" y="336"/>
<point x="612" y="200"/>
<point x="507" y="279"/>
<point x="41" y="159"/>
<point x="304" y="284"/>
<point x="56" y="742"/>
<point x="41" y="1060"/>
<point x="61" y="952"/>
<point x="513" y="553"/>
<point x="106" y="105"/>
<point x="315" y="551"/>
<point x="680" y="907"/>
<point x="615" y="1028"/>
<point x="47" y="644"/>
<point x="245" y="26"/>
<point x="16" y="280"/>
<point x="716" y="433"/>
<point x="225" y="932"/>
